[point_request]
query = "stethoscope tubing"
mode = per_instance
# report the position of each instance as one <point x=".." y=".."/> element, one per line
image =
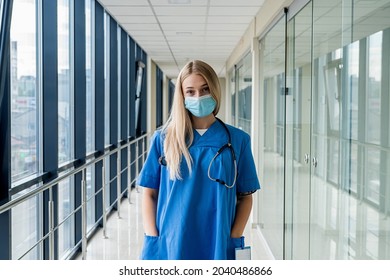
<point x="235" y="168"/>
<point x="229" y="146"/>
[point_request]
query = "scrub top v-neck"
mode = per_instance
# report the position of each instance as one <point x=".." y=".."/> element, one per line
<point x="195" y="215"/>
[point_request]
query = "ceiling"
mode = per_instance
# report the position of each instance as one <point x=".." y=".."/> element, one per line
<point x="172" y="32"/>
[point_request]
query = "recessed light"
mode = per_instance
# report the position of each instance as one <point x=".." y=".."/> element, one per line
<point x="179" y="2"/>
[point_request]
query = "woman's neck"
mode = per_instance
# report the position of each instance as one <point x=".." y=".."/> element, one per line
<point x="203" y="123"/>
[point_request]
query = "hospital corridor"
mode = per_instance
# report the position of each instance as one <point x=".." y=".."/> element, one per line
<point x="102" y="103"/>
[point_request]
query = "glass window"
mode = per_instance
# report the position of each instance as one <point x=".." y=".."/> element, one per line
<point x="119" y="81"/>
<point x="273" y="61"/>
<point x="25" y="100"/>
<point x="65" y="97"/>
<point x="353" y="172"/>
<point x="244" y="106"/>
<point x="232" y="77"/>
<point x="372" y="175"/>
<point x="1" y="11"/>
<point x="354" y="160"/>
<point x="24" y="90"/>
<point x="333" y="161"/>
<point x="371" y="234"/>
<point x="65" y="219"/>
<point x="90" y="88"/>
<point x="332" y="79"/>
<point x="90" y="194"/>
<point x="107" y="104"/>
<point x="106" y="78"/>
<point x="26" y="230"/>
<point x="90" y="106"/>
<point x="349" y="43"/>
<point x="374" y="66"/>
<point x="353" y="92"/>
<point x="107" y="182"/>
<point x="65" y="125"/>
<point x="130" y="87"/>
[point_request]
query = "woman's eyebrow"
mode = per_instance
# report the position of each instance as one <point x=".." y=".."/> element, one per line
<point x="191" y="87"/>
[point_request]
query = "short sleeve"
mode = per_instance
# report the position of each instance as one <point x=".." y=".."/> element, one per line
<point x="149" y="176"/>
<point x="247" y="180"/>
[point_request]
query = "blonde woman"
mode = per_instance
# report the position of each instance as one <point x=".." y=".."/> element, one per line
<point x="198" y="178"/>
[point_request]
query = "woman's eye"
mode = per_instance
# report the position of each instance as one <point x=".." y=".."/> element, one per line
<point x="205" y="90"/>
<point x="189" y="92"/>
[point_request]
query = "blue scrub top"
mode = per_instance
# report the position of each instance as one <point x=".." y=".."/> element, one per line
<point x="195" y="215"/>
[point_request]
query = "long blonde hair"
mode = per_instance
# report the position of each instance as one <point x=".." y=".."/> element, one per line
<point x="178" y="129"/>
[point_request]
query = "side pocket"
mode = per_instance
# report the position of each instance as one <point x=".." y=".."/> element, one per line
<point x="233" y="244"/>
<point x="150" y="250"/>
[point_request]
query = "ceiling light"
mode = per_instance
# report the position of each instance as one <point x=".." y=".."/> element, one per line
<point x="179" y="2"/>
<point x="184" y="33"/>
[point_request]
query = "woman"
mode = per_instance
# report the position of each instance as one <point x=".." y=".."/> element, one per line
<point x="196" y="201"/>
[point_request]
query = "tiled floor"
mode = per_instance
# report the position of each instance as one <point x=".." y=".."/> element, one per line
<point x="124" y="235"/>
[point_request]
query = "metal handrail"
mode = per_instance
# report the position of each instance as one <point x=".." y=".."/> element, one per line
<point x="14" y="202"/>
<point x="48" y="186"/>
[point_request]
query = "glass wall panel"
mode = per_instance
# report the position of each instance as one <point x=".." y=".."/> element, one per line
<point x="244" y="94"/>
<point x="349" y="190"/>
<point x="374" y="71"/>
<point x="107" y="182"/>
<point x="65" y="217"/>
<point x="65" y="92"/>
<point x="27" y="230"/>
<point x="232" y="87"/>
<point x="328" y="221"/>
<point x="90" y="197"/>
<point x="24" y="90"/>
<point x="273" y="63"/>
<point x="298" y="122"/>
<point x="25" y="99"/>
<point x="337" y="152"/>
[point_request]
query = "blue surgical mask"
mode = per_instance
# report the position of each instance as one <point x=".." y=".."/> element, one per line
<point x="200" y="106"/>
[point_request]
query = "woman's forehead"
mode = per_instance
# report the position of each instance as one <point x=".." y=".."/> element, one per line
<point x="194" y="80"/>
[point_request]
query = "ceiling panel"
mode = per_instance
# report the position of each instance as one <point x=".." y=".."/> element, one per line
<point x="234" y="10"/>
<point x="241" y="3"/>
<point x="180" y="10"/>
<point x="179" y="2"/>
<point x="124" y="2"/>
<point x="230" y="19"/>
<point x="129" y="10"/>
<point x="182" y="19"/>
<point x="174" y="31"/>
<point x="136" y="19"/>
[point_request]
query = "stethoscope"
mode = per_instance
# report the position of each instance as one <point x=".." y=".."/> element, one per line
<point x="228" y="146"/>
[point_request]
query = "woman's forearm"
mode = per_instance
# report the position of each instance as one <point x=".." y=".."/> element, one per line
<point x="243" y="210"/>
<point x="149" y="206"/>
